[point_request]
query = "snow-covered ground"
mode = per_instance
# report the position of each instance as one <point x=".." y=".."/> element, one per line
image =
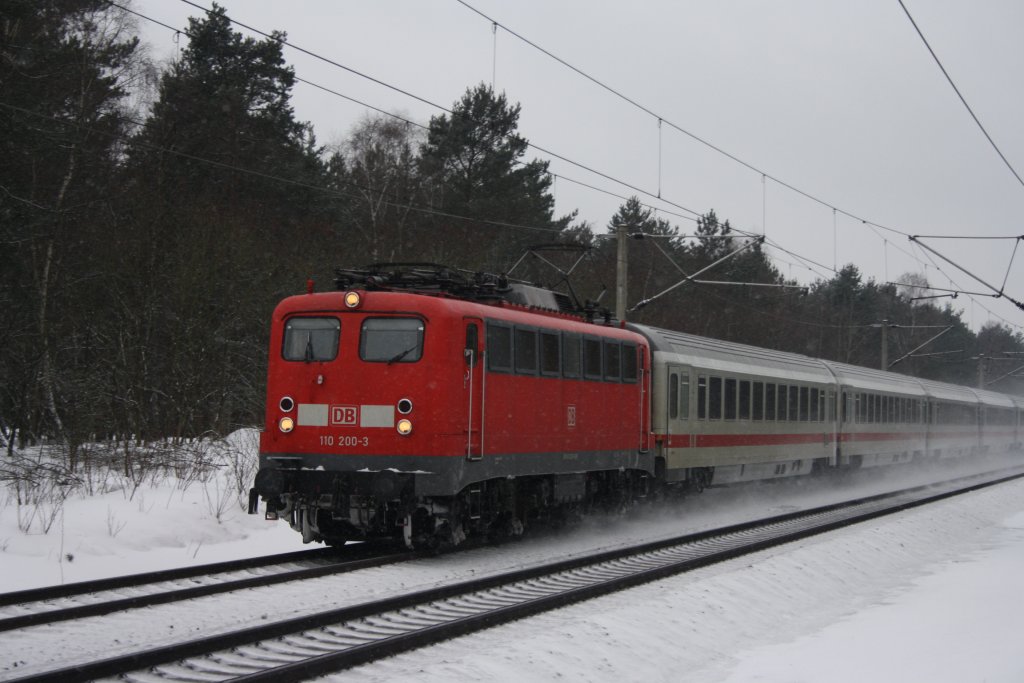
<point x="935" y="593"/>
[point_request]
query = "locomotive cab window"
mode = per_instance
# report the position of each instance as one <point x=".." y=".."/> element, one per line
<point x="391" y="340"/>
<point x="311" y="339"/>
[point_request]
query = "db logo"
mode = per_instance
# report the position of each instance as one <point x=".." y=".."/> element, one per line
<point x="344" y="415"/>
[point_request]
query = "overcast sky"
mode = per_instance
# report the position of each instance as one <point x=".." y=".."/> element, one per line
<point x="840" y="100"/>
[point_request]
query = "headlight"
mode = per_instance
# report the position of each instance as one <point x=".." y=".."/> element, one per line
<point x="352" y="299"/>
<point x="404" y="427"/>
<point x="287" y="404"/>
<point x="286" y="424"/>
<point x="404" y="406"/>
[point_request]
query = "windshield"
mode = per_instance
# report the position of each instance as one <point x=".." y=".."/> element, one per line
<point x="311" y="339"/>
<point x="391" y="340"/>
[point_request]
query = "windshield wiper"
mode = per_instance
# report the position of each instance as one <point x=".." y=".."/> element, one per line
<point x="403" y="354"/>
<point x="309" y="347"/>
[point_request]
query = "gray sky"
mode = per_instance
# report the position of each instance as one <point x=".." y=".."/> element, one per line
<point x="838" y="99"/>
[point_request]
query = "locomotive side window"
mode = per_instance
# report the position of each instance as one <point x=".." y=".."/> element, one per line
<point x="550" y="354"/>
<point x="592" y="358"/>
<point x="629" y="362"/>
<point x="311" y="339"/>
<point x="391" y="340"/>
<point x="499" y="347"/>
<point x="526" y="351"/>
<point x="612" y="361"/>
<point x="570" y="356"/>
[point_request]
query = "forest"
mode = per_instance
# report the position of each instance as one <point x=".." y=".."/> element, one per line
<point x="151" y="216"/>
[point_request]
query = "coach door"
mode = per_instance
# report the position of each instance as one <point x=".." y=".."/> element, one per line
<point x="678" y="430"/>
<point x="474" y="387"/>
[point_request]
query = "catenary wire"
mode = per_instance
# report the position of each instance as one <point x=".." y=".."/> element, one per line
<point x="279" y="39"/>
<point x="960" y="95"/>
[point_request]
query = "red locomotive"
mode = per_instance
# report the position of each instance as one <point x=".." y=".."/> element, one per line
<point x="421" y="404"/>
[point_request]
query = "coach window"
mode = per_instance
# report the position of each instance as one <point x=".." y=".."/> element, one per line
<point x="391" y="340"/>
<point x="745" y="399"/>
<point x="702" y="397"/>
<point x="526" y="351"/>
<point x="499" y="347"/>
<point x="794" y="403"/>
<point x="612" y="361"/>
<point x="684" y="396"/>
<point x="311" y="339"/>
<point x="805" y="404"/>
<point x="629" y="362"/>
<point x="769" y="401"/>
<point x="815" y="405"/>
<point x="570" y="356"/>
<point x="730" y="399"/>
<point x="550" y="346"/>
<point x="592" y="358"/>
<point x="758" y="400"/>
<point x="673" y="395"/>
<point x="715" y="398"/>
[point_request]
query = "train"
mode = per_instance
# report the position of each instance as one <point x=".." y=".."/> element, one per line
<point x="424" y="406"/>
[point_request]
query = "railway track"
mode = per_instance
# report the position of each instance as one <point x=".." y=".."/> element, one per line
<point x="93" y="598"/>
<point x="299" y="648"/>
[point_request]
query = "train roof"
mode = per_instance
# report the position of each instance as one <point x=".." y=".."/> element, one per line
<point x="871" y="379"/>
<point x="753" y="360"/>
<point x="733" y="357"/>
